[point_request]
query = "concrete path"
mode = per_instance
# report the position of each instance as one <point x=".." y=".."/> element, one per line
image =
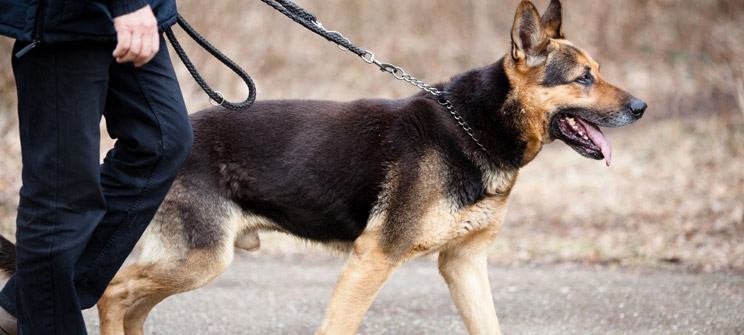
<point x="288" y="295"/>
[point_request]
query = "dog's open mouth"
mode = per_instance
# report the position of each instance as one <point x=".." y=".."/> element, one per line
<point x="583" y="136"/>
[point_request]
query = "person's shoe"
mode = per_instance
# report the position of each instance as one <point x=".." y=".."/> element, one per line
<point x="8" y="323"/>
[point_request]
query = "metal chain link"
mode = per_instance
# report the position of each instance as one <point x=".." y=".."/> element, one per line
<point x="464" y="125"/>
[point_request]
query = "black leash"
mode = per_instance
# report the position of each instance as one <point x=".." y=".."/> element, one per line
<point x="309" y="21"/>
<point x="288" y="8"/>
<point x="214" y="95"/>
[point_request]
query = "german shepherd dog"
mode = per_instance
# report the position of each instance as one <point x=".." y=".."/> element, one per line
<point x="385" y="180"/>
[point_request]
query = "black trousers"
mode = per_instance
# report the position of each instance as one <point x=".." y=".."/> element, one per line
<point x="79" y="219"/>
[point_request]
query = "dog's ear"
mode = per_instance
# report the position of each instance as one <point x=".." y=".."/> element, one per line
<point x="529" y="41"/>
<point x="552" y="20"/>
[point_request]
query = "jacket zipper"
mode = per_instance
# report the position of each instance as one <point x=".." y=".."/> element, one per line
<point x="37" y="31"/>
<point x="27" y="48"/>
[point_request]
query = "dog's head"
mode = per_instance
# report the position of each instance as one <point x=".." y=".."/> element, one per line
<point x="560" y="89"/>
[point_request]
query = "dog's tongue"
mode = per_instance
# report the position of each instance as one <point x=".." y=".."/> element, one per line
<point x="600" y="140"/>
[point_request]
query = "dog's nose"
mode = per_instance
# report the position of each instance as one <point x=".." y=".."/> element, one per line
<point x="637" y="107"/>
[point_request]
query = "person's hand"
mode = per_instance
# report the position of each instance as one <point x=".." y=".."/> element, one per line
<point x="137" y="37"/>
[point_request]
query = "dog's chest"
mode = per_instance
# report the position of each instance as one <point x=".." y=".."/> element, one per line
<point x="499" y="182"/>
<point x="445" y="223"/>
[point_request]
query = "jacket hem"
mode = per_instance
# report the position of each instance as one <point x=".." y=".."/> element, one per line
<point x="52" y="37"/>
<point x="14" y="32"/>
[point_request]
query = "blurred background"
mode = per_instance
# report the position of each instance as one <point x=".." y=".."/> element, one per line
<point x="674" y="195"/>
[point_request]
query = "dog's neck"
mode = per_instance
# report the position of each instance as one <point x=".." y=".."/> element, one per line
<point x="481" y="96"/>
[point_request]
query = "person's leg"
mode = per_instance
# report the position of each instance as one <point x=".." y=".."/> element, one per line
<point x="61" y="94"/>
<point x="145" y="112"/>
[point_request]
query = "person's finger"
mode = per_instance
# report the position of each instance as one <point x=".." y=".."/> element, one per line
<point x="145" y="53"/>
<point x="156" y="42"/>
<point x="123" y="40"/>
<point x="135" y="47"/>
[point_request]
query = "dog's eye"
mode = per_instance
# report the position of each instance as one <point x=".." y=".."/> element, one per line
<point x="585" y="79"/>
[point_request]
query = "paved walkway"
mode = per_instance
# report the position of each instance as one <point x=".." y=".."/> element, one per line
<point x="288" y="295"/>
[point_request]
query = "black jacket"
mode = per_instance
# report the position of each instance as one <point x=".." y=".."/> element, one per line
<point x="50" y="21"/>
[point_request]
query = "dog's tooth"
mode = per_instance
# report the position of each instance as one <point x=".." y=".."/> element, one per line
<point x="571" y="121"/>
<point x="581" y="133"/>
<point x="586" y="138"/>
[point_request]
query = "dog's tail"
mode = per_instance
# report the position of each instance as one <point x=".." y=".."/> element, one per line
<point x="7" y="256"/>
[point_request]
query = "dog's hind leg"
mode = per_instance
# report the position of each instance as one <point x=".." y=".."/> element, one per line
<point x="190" y="241"/>
<point x="135" y="290"/>
<point x="131" y="286"/>
<point x="464" y="268"/>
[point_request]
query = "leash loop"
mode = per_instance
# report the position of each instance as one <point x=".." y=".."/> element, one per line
<point x="213" y="95"/>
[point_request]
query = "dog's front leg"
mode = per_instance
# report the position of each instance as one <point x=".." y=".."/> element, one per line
<point x="367" y="269"/>
<point x="464" y="268"/>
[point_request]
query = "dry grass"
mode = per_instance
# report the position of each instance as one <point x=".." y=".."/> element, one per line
<point x="675" y="192"/>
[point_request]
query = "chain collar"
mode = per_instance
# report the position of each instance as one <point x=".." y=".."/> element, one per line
<point x="464" y="125"/>
<point x="401" y="74"/>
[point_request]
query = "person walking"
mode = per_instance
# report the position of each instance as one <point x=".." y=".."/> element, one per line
<point x="75" y="61"/>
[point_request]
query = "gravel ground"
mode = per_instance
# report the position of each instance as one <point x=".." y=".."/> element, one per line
<point x="288" y="295"/>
